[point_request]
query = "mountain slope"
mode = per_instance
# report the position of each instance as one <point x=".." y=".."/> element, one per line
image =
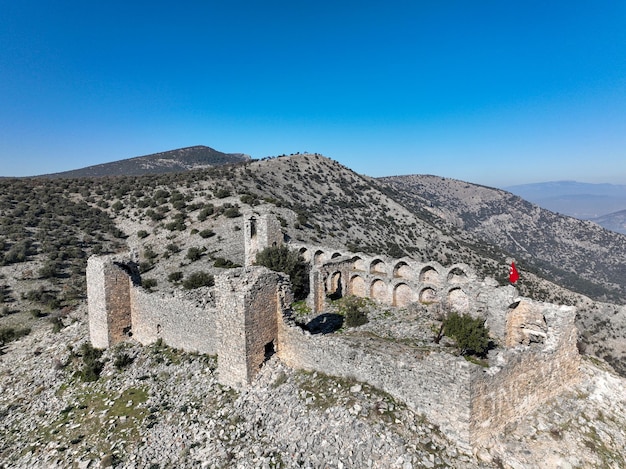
<point x="613" y="221"/>
<point x="183" y="159"/>
<point x="576" y="199"/>
<point x="577" y="254"/>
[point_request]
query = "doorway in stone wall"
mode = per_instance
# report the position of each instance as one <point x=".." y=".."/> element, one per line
<point x="270" y="350"/>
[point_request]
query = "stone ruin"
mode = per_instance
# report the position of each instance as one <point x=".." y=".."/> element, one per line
<point x="250" y="320"/>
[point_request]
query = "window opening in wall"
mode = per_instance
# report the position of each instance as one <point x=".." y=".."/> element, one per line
<point x="252" y="227"/>
<point x="127" y="331"/>
<point x="158" y="329"/>
<point x="269" y="351"/>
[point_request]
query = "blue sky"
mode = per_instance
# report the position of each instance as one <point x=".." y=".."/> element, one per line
<point x="490" y="92"/>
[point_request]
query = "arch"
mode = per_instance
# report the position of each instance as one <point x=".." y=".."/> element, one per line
<point x="319" y="257"/>
<point x="402" y="295"/>
<point x="334" y="288"/>
<point x="430" y="275"/>
<point x="335" y="255"/>
<point x="304" y="252"/>
<point x="358" y="287"/>
<point x="457" y="275"/>
<point x="402" y="270"/>
<point x="358" y="264"/>
<point x="378" y="267"/>
<point x="458" y="301"/>
<point x="378" y="290"/>
<point x="428" y="295"/>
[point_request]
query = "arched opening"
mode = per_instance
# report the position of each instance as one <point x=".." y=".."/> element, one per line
<point x="358" y="264"/>
<point x="378" y="291"/>
<point x="402" y="270"/>
<point x="304" y="252"/>
<point x="358" y="287"/>
<point x="378" y="267"/>
<point x="458" y="301"/>
<point x="457" y="275"/>
<point x="429" y="275"/>
<point x="335" y="255"/>
<point x="252" y="227"/>
<point x="402" y="295"/>
<point x="335" y="287"/>
<point x="428" y="295"/>
<point x="318" y="257"/>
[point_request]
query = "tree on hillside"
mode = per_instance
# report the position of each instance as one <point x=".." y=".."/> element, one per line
<point x="471" y="334"/>
<point x="282" y="259"/>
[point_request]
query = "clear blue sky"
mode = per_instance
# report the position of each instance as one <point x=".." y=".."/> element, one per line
<point x="490" y="92"/>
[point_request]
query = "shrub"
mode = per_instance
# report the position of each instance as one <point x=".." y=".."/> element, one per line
<point x="282" y="259"/>
<point x="222" y="193"/>
<point x="149" y="283"/>
<point x="232" y="212"/>
<point x="175" y="277"/>
<point x="353" y="308"/>
<point x="122" y="360"/>
<point x="199" y="279"/>
<point x="9" y="334"/>
<point x="225" y="263"/>
<point x="207" y="233"/>
<point x="92" y="366"/>
<point x="194" y="254"/>
<point x="471" y="334"/>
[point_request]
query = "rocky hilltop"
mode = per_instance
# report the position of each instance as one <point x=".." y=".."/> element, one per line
<point x="181" y="224"/>
<point x="183" y="159"/>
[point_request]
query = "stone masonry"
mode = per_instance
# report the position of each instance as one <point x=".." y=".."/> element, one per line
<point x="250" y="320"/>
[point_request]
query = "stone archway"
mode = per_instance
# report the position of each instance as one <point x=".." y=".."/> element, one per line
<point x="319" y="257"/>
<point x="378" y="291"/>
<point x="358" y="264"/>
<point x="334" y="289"/>
<point x="358" y="286"/>
<point x="458" y="301"/>
<point x="457" y="275"/>
<point x="428" y="295"/>
<point x="430" y="275"/>
<point x="402" y="270"/>
<point x="378" y="267"/>
<point x="402" y="295"/>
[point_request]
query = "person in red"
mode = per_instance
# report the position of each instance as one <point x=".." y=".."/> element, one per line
<point x="513" y="273"/>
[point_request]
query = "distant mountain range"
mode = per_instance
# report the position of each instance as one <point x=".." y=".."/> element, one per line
<point x="183" y="159"/>
<point x="604" y="204"/>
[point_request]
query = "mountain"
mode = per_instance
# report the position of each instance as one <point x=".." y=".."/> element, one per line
<point x="576" y="199"/>
<point x="183" y="159"/>
<point x="576" y="254"/>
<point x="613" y="221"/>
<point x="157" y="404"/>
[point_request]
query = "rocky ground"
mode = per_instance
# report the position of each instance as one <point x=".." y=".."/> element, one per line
<point x="156" y="407"/>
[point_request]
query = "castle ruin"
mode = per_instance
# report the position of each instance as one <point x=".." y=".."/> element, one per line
<point x="249" y="320"/>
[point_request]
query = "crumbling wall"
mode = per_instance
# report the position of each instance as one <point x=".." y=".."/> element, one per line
<point x="435" y="384"/>
<point x="179" y="321"/>
<point x="525" y="376"/>
<point x="261" y="230"/>
<point x="108" y="295"/>
<point x="249" y="302"/>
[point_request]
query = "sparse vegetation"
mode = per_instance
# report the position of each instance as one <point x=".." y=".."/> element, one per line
<point x="282" y="259"/>
<point x="471" y="334"/>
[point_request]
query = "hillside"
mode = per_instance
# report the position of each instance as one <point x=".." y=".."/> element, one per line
<point x="578" y="255"/>
<point x="615" y="221"/>
<point x="183" y="159"/>
<point x="185" y="223"/>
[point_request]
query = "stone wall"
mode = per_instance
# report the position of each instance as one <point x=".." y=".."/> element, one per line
<point x="435" y="384"/>
<point x="261" y="230"/>
<point x="525" y="376"/>
<point x="179" y="321"/>
<point x="249" y="302"/>
<point x="108" y="293"/>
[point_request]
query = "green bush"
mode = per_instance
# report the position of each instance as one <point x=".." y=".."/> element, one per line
<point x="199" y="279"/>
<point x="149" y="283"/>
<point x="175" y="277"/>
<point x="194" y="254"/>
<point x="225" y="263"/>
<point x="207" y="233"/>
<point x="9" y="334"/>
<point x="354" y="310"/>
<point x="282" y="259"/>
<point x="471" y="334"/>
<point x="92" y="366"/>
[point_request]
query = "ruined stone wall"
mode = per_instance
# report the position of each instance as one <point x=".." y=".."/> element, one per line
<point x="434" y="384"/>
<point x="108" y="293"/>
<point x="529" y="376"/>
<point x="179" y="321"/>
<point x="261" y="230"/>
<point x="249" y="302"/>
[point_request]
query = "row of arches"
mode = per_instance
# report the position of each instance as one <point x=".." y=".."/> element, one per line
<point x="398" y="294"/>
<point x="435" y="275"/>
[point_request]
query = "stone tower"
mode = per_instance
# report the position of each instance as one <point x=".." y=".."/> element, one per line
<point x="109" y="283"/>
<point x="261" y="230"/>
<point x="250" y="304"/>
